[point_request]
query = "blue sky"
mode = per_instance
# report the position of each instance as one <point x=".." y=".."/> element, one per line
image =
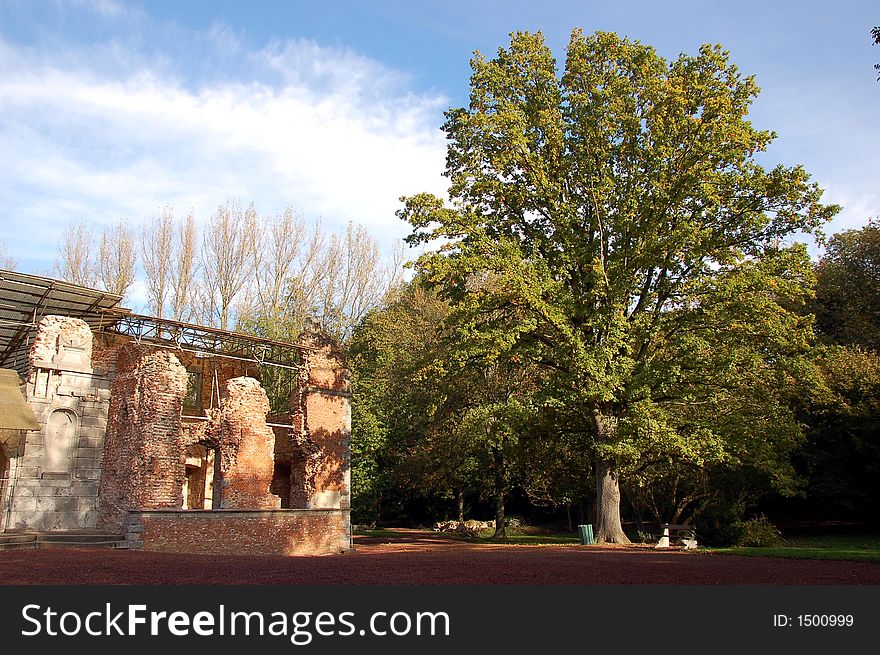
<point x="113" y="109"/>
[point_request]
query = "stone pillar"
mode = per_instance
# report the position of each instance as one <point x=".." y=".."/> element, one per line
<point x="246" y="447"/>
<point x="144" y="463"/>
<point x="324" y="403"/>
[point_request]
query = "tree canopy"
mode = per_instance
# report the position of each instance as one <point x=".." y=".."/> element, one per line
<point x="875" y="34"/>
<point x="610" y="224"/>
<point x="848" y="289"/>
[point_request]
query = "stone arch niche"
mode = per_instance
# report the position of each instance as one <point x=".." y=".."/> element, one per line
<point x="4" y="481"/>
<point x="4" y="476"/>
<point x="59" y="441"/>
<point x="4" y="462"/>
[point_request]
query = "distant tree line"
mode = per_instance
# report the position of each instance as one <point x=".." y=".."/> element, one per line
<point x="265" y="275"/>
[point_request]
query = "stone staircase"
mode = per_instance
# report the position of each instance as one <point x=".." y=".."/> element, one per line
<point x="29" y="540"/>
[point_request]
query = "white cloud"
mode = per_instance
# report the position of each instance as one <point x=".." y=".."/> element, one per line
<point x="101" y="132"/>
<point x="105" y="8"/>
<point x="858" y="205"/>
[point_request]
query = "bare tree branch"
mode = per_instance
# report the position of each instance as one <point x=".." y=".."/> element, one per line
<point x="74" y="261"/>
<point x="157" y="244"/>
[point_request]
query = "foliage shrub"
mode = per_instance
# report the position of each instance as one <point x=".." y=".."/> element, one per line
<point x="719" y="522"/>
<point x="645" y="537"/>
<point x="761" y="533"/>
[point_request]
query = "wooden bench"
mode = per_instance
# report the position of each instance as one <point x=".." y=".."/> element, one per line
<point x="686" y="534"/>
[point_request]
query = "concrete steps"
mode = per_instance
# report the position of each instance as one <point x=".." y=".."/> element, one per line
<point x="25" y="540"/>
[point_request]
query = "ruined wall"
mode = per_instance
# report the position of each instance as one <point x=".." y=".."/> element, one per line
<point x="246" y="447"/>
<point x="241" y="532"/>
<point x="113" y="440"/>
<point x="208" y="374"/>
<point x="144" y="455"/>
<point x="211" y="414"/>
<point x="323" y="478"/>
<point x="54" y="474"/>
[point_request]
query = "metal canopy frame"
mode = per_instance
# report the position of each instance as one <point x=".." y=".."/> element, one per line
<point x="206" y="341"/>
<point x="26" y="299"/>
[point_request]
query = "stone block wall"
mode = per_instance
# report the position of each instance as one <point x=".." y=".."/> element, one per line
<point x="54" y="475"/>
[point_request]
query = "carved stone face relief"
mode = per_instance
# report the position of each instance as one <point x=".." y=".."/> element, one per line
<point x="74" y="348"/>
<point x="73" y="340"/>
<point x="58" y="445"/>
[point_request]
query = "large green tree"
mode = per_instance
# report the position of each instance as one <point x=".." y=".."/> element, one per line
<point x="612" y="225"/>
<point x="841" y="457"/>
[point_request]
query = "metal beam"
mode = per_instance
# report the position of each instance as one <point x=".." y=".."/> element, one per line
<point x="207" y="341"/>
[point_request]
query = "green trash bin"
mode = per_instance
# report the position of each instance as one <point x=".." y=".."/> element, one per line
<point x="586" y="534"/>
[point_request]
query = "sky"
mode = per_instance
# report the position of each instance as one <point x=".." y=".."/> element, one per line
<point x="112" y="109"/>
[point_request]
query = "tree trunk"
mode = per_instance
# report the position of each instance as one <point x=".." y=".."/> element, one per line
<point x="500" y="488"/>
<point x="500" y="527"/>
<point x="608" y="526"/>
<point x="460" y="506"/>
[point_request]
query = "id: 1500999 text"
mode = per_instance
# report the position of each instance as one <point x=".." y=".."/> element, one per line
<point x="813" y="621"/>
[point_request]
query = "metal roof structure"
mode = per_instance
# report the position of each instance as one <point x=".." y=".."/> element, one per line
<point x="206" y="341"/>
<point x="26" y="299"/>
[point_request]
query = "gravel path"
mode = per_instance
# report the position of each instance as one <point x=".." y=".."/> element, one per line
<point x="424" y="558"/>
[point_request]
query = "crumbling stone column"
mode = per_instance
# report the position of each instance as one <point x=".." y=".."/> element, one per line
<point x="323" y="404"/>
<point x="246" y="448"/>
<point x="144" y="462"/>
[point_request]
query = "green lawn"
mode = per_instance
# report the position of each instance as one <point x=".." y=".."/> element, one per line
<point x="863" y="547"/>
<point x="853" y="547"/>
<point x="377" y="532"/>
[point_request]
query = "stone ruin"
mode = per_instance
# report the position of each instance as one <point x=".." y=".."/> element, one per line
<point x="175" y="451"/>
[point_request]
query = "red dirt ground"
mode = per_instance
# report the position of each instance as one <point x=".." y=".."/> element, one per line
<point x="426" y="558"/>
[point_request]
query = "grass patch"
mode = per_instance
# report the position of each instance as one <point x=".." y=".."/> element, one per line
<point x="377" y="532"/>
<point x="849" y="547"/>
<point x="801" y="553"/>
<point x="836" y="541"/>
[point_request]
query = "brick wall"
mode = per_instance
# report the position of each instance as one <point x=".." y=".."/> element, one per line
<point x="144" y="462"/>
<point x="246" y="447"/>
<point x="209" y="372"/>
<point x="324" y="402"/>
<point x="242" y="532"/>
